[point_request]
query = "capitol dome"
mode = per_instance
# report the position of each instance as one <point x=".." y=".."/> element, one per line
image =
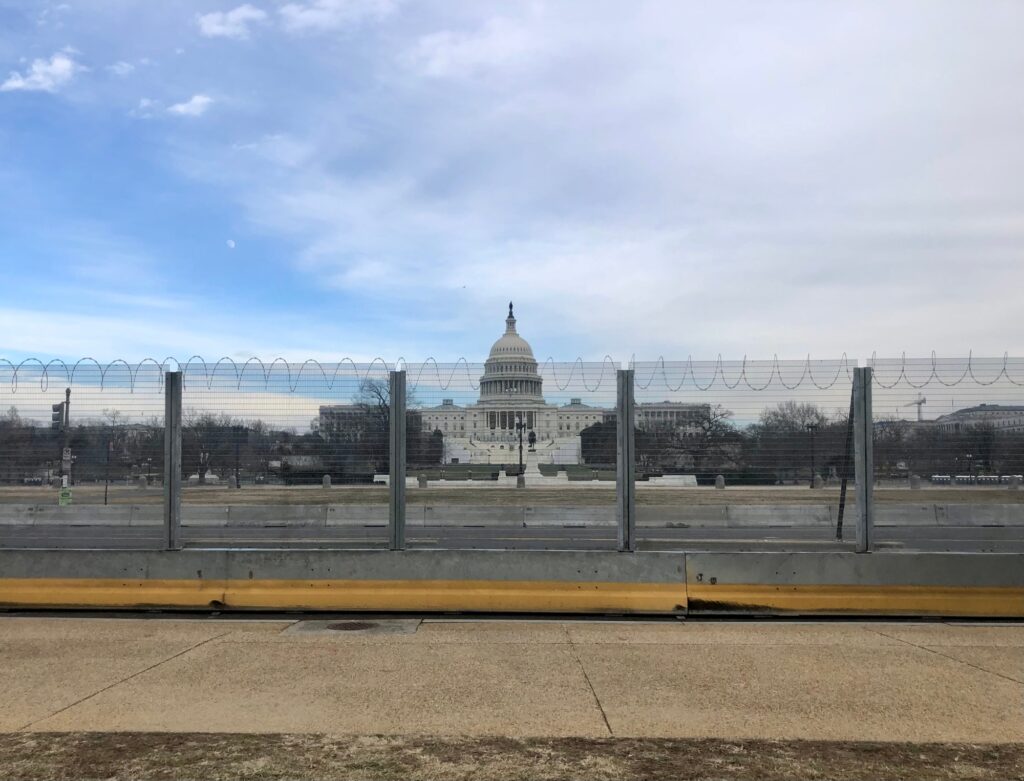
<point x="510" y="370"/>
<point x="511" y="343"/>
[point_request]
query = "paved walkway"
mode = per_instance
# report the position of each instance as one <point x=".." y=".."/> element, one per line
<point x="734" y="680"/>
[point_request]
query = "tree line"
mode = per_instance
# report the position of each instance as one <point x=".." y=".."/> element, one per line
<point x="108" y="448"/>
<point x="791" y="441"/>
<point x="786" y="443"/>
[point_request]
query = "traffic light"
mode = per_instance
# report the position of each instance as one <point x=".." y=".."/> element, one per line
<point x="57" y="417"/>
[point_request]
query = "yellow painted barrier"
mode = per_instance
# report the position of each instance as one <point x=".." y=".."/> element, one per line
<point x="398" y="595"/>
<point x="513" y="596"/>
<point x="989" y="602"/>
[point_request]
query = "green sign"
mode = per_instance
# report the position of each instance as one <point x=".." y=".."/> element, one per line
<point x="64" y="498"/>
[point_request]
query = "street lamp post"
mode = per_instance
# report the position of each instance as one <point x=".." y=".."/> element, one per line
<point x="813" y="428"/>
<point x="106" y="469"/>
<point x="238" y="432"/>
<point x="521" y="478"/>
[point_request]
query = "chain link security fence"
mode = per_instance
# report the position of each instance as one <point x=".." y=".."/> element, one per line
<point x="948" y="451"/>
<point x="726" y="454"/>
<point x="746" y="440"/>
<point x="511" y="453"/>
<point x="286" y="454"/>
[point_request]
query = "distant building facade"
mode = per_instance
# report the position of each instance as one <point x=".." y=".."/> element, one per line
<point x="1006" y="418"/>
<point x="338" y="422"/>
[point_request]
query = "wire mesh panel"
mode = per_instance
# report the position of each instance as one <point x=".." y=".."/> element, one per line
<point x="284" y="454"/>
<point x="949" y="453"/>
<point x="511" y="453"/>
<point x="81" y="454"/>
<point x="746" y="454"/>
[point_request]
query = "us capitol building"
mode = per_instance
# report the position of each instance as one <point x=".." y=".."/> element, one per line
<point x="512" y="389"/>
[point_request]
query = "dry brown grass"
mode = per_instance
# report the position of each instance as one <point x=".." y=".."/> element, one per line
<point x="174" y="757"/>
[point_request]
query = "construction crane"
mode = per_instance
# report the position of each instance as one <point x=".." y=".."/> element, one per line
<point x="919" y="403"/>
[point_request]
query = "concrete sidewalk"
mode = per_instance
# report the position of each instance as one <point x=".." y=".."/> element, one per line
<point x="826" y="681"/>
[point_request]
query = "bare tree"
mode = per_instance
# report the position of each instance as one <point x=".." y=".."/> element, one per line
<point x="792" y="416"/>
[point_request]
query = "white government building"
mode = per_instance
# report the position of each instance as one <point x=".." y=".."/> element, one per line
<point x="511" y="389"/>
<point x="1004" y="418"/>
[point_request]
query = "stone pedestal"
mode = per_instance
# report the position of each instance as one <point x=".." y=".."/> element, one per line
<point x="720" y="482"/>
<point x="531" y="468"/>
<point x="915" y="482"/>
<point x="327" y="481"/>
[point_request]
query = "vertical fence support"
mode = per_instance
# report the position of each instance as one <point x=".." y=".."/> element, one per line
<point x="625" y="461"/>
<point x="396" y="449"/>
<point x="172" y="460"/>
<point x="845" y="470"/>
<point x="863" y="456"/>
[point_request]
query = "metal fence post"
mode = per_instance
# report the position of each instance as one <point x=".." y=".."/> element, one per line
<point x="396" y="475"/>
<point x="172" y="460"/>
<point x="625" y="461"/>
<point x="863" y="443"/>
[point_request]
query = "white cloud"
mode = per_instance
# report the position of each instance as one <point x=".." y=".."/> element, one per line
<point x="121" y="68"/>
<point x="668" y="179"/>
<point x="231" y="243"/>
<point x="280" y="149"/>
<point x="326" y="15"/>
<point x="230" y="24"/>
<point x="145" y="109"/>
<point x="44" y="75"/>
<point x="499" y="42"/>
<point x="52" y="16"/>
<point x="135" y="333"/>
<point x="195" y="106"/>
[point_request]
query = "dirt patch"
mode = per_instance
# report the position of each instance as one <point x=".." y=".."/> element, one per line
<point x="172" y="757"/>
<point x="569" y="496"/>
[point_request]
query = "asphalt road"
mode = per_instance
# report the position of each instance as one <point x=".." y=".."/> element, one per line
<point x="916" y="538"/>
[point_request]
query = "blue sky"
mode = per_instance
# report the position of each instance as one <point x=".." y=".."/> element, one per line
<point x="331" y="178"/>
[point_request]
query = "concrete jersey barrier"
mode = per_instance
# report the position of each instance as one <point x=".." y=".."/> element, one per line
<point x="648" y="516"/>
<point x="790" y="583"/>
